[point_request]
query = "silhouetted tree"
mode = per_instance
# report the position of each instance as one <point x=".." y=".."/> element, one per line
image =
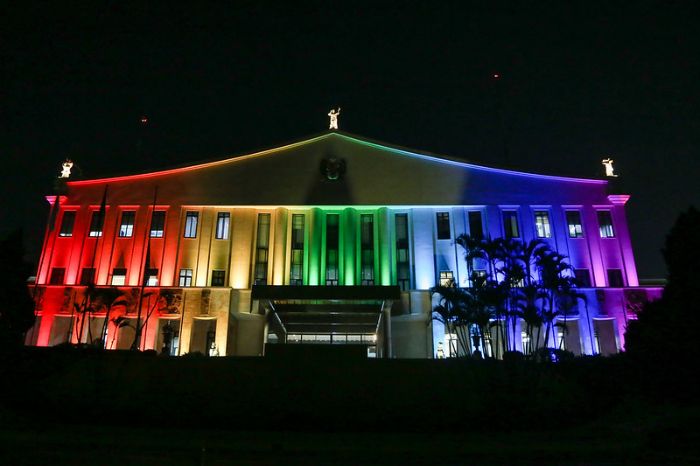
<point x="17" y="310"/>
<point x="667" y="328"/>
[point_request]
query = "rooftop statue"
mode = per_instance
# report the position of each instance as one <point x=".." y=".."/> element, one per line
<point x="334" y="118"/>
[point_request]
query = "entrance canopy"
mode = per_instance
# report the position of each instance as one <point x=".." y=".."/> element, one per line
<point x="325" y="309"/>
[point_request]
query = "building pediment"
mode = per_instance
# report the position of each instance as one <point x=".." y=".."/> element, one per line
<point x="336" y="168"/>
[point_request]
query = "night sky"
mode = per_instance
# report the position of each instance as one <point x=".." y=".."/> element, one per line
<point x="579" y="83"/>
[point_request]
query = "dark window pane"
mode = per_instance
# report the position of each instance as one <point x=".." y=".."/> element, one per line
<point x="57" y="276"/>
<point x="158" y="224"/>
<point x="476" y="226"/>
<point x="583" y="277"/>
<point x="87" y="276"/>
<point x="443" y="225"/>
<point x="67" y="224"/>
<point x="96" y="224"/>
<point x="615" y="278"/>
<point x="510" y="224"/>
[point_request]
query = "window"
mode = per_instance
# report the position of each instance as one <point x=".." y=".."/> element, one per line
<point x="583" y="277"/>
<point x="118" y="277"/>
<point x="403" y="274"/>
<point x="158" y="224"/>
<point x="447" y="278"/>
<point x="443" y="225"/>
<point x="87" y="276"/>
<point x="223" y="221"/>
<point x="605" y="224"/>
<point x="185" y="278"/>
<point x="262" y="249"/>
<point x="573" y="220"/>
<point x="96" y="223"/>
<point x="126" y="228"/>
<point x="218" y="278"/>
<point x="615" y="278"/>
<point x="191" y="219"/>
<point x="476" y="226"/>
<point x="332" y="228"/>
<point x="296" y="270"/>
<point x="150" y="277"/>
<point x="367" y="249"/>
<point x="67" y="224"/>
<point x="57" y="276"/>
<point x="510" y="224"/>
<point x="542" y="226"/>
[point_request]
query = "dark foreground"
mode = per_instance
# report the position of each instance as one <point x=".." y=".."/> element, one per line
<point x="81" y="407"/>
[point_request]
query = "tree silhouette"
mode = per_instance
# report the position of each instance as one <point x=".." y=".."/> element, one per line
<point x="666" y="329"/>
<point x="17" y="310"/>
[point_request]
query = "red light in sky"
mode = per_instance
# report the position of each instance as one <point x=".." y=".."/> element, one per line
<point x="496" y="76"/>
<point x="144" y="120"/>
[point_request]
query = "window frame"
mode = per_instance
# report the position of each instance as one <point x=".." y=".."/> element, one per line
<point x="160" y="233"/>
<point x="471" y="222"/>
<point x="187" y="275"/>
<point x="191" y="222"/>
<point x="57" y="276"/>
<point x="512" y="215"/>
<point x="220" y="276"/>
<point x="126" y="230"/>
<point x="221" y="232"/>
<point x="93" y="231"/>
<point x="443" y="226"/>
<point x="539" y="214"/>
<point x="608" y="230"/>
<point x="577" y="227"/>
<point x="115" y="274"/>
<point x="66" y="229"/>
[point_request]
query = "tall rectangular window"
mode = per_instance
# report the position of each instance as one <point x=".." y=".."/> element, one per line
<point x="67" y="223"/>
<point x="583" y="277"/>
<point x="542" y="226"/>
<point x="296" y="268"/>
<point x="573" y="220"/>
<point x="126" y="227"/>
<point x="158" y="224"/>
<point x="96" y="223"/>
<point x="118" y="277"/>
<point x="185" y="277"/>
<point x="223" y="222"/>
<point x="57" y="276"/>
<point x="87" y="276"/>
<point x="150" y="277"/>
<point x="403" y="270"/>
<point x="510" y="224"/>
<point x="605" y="224"/>
<point x="367" y="248"/>
<point x="615" y="278"/>
<point x="218" y="278"/>
<point x="476" y="225"/>
<point x="191" y="220"/>
<point x="332" y="253"/>
<point x="443" y="225"/>
<point x="262" y="250"/>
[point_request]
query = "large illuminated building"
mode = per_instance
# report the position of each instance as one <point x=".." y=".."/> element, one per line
<point x="332" y="240"/>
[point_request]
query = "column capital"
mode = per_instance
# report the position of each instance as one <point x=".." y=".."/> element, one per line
<point x="619" y="199"/>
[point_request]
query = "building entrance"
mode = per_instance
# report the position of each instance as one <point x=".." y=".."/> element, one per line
<point x="328" y="315"/>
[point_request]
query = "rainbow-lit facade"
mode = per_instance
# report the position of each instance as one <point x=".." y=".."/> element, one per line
<point x="331" y="240"/>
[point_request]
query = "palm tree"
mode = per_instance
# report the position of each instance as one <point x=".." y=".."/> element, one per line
<point x="451" y="312"/>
